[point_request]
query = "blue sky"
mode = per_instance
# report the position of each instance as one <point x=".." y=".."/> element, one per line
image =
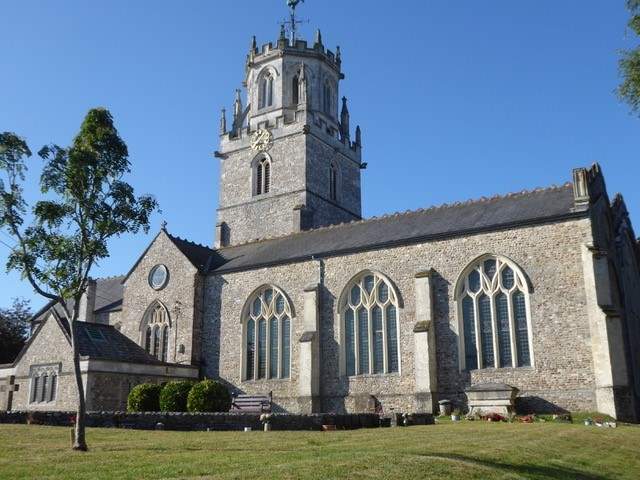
<point x="456" y="100"/>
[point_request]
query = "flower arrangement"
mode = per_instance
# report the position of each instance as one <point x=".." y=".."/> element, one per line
<point x="528" y="418"/>
<point x="265" y="418"/>
<point x="493" y="417"/>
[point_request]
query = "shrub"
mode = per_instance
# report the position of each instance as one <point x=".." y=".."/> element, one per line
<point x="144" y="398"/>
<point x="209" y="396"/>
<point x="173" y="397"/>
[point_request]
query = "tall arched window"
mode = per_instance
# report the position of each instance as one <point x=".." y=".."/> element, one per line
<point x="295" y="90"/>
<point x="262" y="175"/>
<point x="369" y="318"/>
<point x="333" y="182"/>
<point x="493" y="306"/>
<point x="265" y="93"/>
<point x="266" y="349"/>
<point x="155" y="332"/>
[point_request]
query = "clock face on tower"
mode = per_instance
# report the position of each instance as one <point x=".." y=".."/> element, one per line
<point x="261" y="140"/>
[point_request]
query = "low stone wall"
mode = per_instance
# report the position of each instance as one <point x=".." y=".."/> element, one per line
<point x="204" y="421"/>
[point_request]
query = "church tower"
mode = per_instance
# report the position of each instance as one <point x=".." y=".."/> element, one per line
<point x="287" y="159"/>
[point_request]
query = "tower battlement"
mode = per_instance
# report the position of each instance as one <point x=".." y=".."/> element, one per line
<point x="301" y="48"/>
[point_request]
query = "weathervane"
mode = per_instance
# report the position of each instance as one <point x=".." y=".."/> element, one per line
<point x="292" y="23"/>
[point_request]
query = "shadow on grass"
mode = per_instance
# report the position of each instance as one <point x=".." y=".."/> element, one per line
<point x="526" y="470"/>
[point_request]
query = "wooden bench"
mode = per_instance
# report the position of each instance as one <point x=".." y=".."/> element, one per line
<point x="252" y="403"/>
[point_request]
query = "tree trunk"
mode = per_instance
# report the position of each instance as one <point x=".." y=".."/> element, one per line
<point x="79" y="442"/>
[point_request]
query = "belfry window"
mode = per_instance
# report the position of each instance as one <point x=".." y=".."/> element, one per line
<point x="266" y="349"/>
<point x="369" y="314"/>
<point x="295" y="91"/>
<point x="327" y="99"/>
<point x="156" y="331"/>
<point x="493" y="299"/>
<point x="265" y="93"/>
<point x="262" y="175"/>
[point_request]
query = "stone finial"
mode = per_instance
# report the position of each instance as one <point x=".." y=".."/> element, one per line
<point x="223" y="122"/>
<point x="344" y="120"/>
<point x="237" y="112"/>
<point x="163" y="225"/>
<point x="358" y="136"/>
<point x="318" y="41"/>
<point x="283" y="33"/>
<point x="253" y="49"/>
<point x="338" y="55"/>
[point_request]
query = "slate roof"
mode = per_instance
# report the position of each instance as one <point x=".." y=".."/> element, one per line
<point x="494" y="213"/>
<point x="198" y="255"/>
<point x="103" y="342"/>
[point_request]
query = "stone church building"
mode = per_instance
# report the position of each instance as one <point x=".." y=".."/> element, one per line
<point x="302" y="297"/>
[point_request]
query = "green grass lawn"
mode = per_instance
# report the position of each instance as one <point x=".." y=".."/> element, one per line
<point x="466" y="450"/>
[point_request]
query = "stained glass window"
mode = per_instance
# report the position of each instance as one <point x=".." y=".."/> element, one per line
<point x="493" y="301"/>
<point x="269" y="310"/>
<point x="369" y="315"/>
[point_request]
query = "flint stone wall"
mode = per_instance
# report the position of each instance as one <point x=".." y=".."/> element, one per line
<point x="562" y="377"/>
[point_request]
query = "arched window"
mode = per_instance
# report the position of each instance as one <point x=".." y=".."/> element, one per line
<point x="295" y="90"/>
<point x="156" y="330"/>
<point x="265" y="93"/>
<point x="369" y="318"/>
<point x="333" y="182"/>
<point x="262" y="175"/>
<point x="493" y="306"/>
<point x="266" y="346"/>
<point x="327" y="98"/>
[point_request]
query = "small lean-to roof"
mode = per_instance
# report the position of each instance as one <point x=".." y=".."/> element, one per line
<point x="103" y="342"/>
<point x="496" y="213"/>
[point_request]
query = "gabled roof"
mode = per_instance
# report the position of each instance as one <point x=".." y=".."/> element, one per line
<point x="501" y="212"/>
<point x="198" y="255"/>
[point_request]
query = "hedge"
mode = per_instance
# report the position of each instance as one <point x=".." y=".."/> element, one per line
<point x="209" y="396"/>
<point x="145" y="398"/>
<point x="173" y="397"/>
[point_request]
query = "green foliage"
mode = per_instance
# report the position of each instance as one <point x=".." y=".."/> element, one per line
<point x="209" y="396"/>
<point x="629" y="90"/>
<point x="173" y="397"/>
<point x="86" y="202"/>
<point x="145" y="398"/>
<point x="14" y="328"/>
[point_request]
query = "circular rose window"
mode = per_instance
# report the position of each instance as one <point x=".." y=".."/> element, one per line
<point x="158" y="277"/>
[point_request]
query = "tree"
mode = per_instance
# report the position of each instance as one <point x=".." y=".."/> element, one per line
<point x="14" y="329"/>
<point x="629" y="90"/>
<point x="85" y="203"/>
